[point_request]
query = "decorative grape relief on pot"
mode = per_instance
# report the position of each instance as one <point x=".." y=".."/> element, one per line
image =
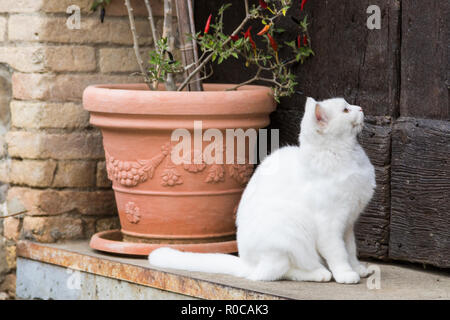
<point x="216" y="174"/>
<point x="171" y="177"/>
<point x="131" y="173"/>
<point x="190" y="164"/>
<point x="132" y="212"/>
<point x="241" y="172"/>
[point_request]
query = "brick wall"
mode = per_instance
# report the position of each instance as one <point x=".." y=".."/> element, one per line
<point x="52" y="158"/>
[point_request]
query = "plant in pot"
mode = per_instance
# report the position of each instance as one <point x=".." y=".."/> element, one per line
<point x="190" y="204"/>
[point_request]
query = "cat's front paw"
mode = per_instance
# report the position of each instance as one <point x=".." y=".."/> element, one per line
<point x="321" y="275"/>
<point x="346" y="277"/>
<point x="362" y="270"/>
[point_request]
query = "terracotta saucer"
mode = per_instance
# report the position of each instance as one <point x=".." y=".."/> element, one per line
<point x="112" y="241"/>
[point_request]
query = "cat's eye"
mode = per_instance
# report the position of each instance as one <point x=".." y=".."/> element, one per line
<point x="346" y="110"/>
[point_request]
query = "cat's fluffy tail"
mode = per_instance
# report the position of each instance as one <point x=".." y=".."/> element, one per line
<point x="201" y="262"/>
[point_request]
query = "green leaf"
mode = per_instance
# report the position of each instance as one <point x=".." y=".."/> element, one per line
<point x="97" y="3"/>
<point x="224" y="7"/>
<point x="291" y="44"/>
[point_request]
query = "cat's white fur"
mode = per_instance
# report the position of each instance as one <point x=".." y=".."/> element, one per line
<point x="296" y="216"/>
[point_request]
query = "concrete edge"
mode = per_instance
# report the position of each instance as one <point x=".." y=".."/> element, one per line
<point x="162" y="280"/>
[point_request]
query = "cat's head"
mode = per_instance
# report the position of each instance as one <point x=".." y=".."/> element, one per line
<point x="332" y="118"/>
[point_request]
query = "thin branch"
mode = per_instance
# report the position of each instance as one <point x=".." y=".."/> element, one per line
<point x="187" y="46"/>
<point x="192" y="23"/>
<point x="255" y="61"/>
<point x="136" y="44"/>
<point x="272" y="81"/>
<point x="196" y="70"/>
<point x="206" y="76"/>
<point x="14" y="214"/>
<point x="204" y="54"/>
<point x="168" y="33"/>
<point x="189" y="66"/>
<point x="258" y="72"/>
<point x="208" y="58"/>
<point x="255" y="78"/>
<point x="199" y="84"/>
<point x="246" y="8"/>
<point x="275" y="17"/>
<point x="151" y="20"/>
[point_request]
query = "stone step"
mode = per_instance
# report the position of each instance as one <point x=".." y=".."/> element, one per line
<point x="72" y="270"/>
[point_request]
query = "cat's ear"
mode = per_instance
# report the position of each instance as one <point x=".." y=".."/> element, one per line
<point x="321" y="117"/>
<point x="310" y="103"/>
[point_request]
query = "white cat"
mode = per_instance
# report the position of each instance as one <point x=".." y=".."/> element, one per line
<point x="296" y="216"/>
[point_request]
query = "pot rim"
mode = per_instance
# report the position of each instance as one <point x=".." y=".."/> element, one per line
<point x="135" y="98"/>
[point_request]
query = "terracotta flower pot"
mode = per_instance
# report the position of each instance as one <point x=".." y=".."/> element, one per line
<point x="189" y="206"/>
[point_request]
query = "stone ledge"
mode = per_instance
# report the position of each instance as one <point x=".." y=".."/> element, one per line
<point x="397" y="282"/>
<point x="38" y="280"/>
